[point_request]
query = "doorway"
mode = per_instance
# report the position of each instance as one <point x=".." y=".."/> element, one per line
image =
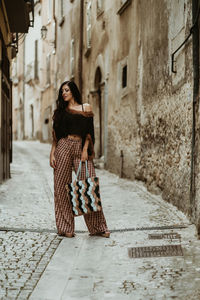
<point x="32" y="120"/>
<point x="46" y="129"/>
<point x="6" y="117"/>
<point x="98" y="112"/>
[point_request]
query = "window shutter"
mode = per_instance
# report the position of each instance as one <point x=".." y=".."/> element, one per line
<point x="89" y="25"/>
<point x="72" y="58"/>
<point x="99" y="6"/>
<point x="36" y="60"/>
<point x="61" y="8"/>
<point x="48" y="69"/>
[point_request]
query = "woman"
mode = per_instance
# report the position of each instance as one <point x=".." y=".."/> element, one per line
<point x="73" y="140"/>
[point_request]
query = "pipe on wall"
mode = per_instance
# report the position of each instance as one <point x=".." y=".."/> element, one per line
<point x="80" y="66"/>
<point x="195" y="56"/>
<point x="55" y="24"/>
<point x="23" y="88"/>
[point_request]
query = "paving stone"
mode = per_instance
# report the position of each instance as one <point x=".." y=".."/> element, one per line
<point x="21" y="253"/>
<point x="19" y="275"/>
<point x="26" y="203"/>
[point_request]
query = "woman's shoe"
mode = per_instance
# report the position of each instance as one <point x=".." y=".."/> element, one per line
<point x="105" y="234"/>
<point x="68" y="234"/>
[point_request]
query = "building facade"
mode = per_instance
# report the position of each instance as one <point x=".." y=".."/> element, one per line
<point x="61" y="54"/>
<point x="143" y="103"/>
<point x="26" y="76"/>
<point x="15" y="19"/>
<point x="145" y="99"/>
<point x="49" y="69"/>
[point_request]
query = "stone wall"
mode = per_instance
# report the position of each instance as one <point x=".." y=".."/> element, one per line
<point x="154" y="123"/>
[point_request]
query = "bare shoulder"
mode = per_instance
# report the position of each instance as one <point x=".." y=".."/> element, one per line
<point x="87" y="107"/>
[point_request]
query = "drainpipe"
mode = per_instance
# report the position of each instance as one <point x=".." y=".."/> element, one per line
<point x="195" y="48"/>
<point x="55" y="46"/>
<point x="80" y="66"/>
<point x="23" y="88"/>
<point x="106" y="121"/>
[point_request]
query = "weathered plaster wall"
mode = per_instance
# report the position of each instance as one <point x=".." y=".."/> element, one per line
<point x="68" y="28"/>
<point x="164" y="157"/>
<point x="165" y="127"/>
<point x="111" y="45"/>
<point x="153" y="123"/>
<point x="122" y="120"/>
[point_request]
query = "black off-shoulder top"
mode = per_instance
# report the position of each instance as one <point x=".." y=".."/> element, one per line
<point x="76" y="122"/>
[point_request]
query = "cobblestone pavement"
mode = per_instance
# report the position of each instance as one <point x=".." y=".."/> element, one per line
<point x="24" y="256"/>
<point x="27" y="198"/>
<point x="36" y="262"/>
<point x="28" y="236"/>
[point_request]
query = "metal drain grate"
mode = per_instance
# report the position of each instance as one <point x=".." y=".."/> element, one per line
<point x="5" y="228"/>
<point x="155" y="251"/>
<point x="160" y="236"/>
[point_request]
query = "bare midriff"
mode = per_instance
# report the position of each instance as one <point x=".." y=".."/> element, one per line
<point x="74" y="136"/>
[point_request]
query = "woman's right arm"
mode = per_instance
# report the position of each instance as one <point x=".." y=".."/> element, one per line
<point x="53" y="148"/>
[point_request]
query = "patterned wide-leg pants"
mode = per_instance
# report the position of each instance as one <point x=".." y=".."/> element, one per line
<point x="67" y="155"/>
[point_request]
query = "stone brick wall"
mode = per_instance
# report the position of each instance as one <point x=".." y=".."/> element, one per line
<point x="154" y="130"/>
<point x="164" y="157"/>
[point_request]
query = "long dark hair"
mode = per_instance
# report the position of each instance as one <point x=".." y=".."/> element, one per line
<point x="61" y="103"/>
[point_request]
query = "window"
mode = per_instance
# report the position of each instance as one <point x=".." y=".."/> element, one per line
<point x="36" y="60"/>
<point x="177" y="32"/>
<point x="99" y="7"/>
<point x="49" y="10"/>
<point x="61" y="8"/>
<point x="89" y="6"/>
<point x="72" y="59"/>
<point x="62" y="12"/>
<point x="124" y="76"/>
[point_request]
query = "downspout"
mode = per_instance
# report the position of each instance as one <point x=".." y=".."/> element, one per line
<point x="55" y="46"/>
<point x="23" y="88"/>
<point x="195" y="54"/>
<point x="106" y="122"/>
<point x="80" y="62"/>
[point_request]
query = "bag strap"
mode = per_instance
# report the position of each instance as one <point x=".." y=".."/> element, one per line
<point x="79" y="170"/>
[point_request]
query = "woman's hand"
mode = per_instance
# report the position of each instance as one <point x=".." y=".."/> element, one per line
<point x="52" y="160"/>
<point x="84" y="155"/>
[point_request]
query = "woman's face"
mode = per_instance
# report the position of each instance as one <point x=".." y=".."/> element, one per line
<point x="66" y="93"/>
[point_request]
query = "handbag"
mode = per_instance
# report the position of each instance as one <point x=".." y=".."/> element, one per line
<point x="84" y="194"/>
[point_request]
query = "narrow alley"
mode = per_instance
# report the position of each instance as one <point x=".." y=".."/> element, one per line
<point x="36" y="264"/>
